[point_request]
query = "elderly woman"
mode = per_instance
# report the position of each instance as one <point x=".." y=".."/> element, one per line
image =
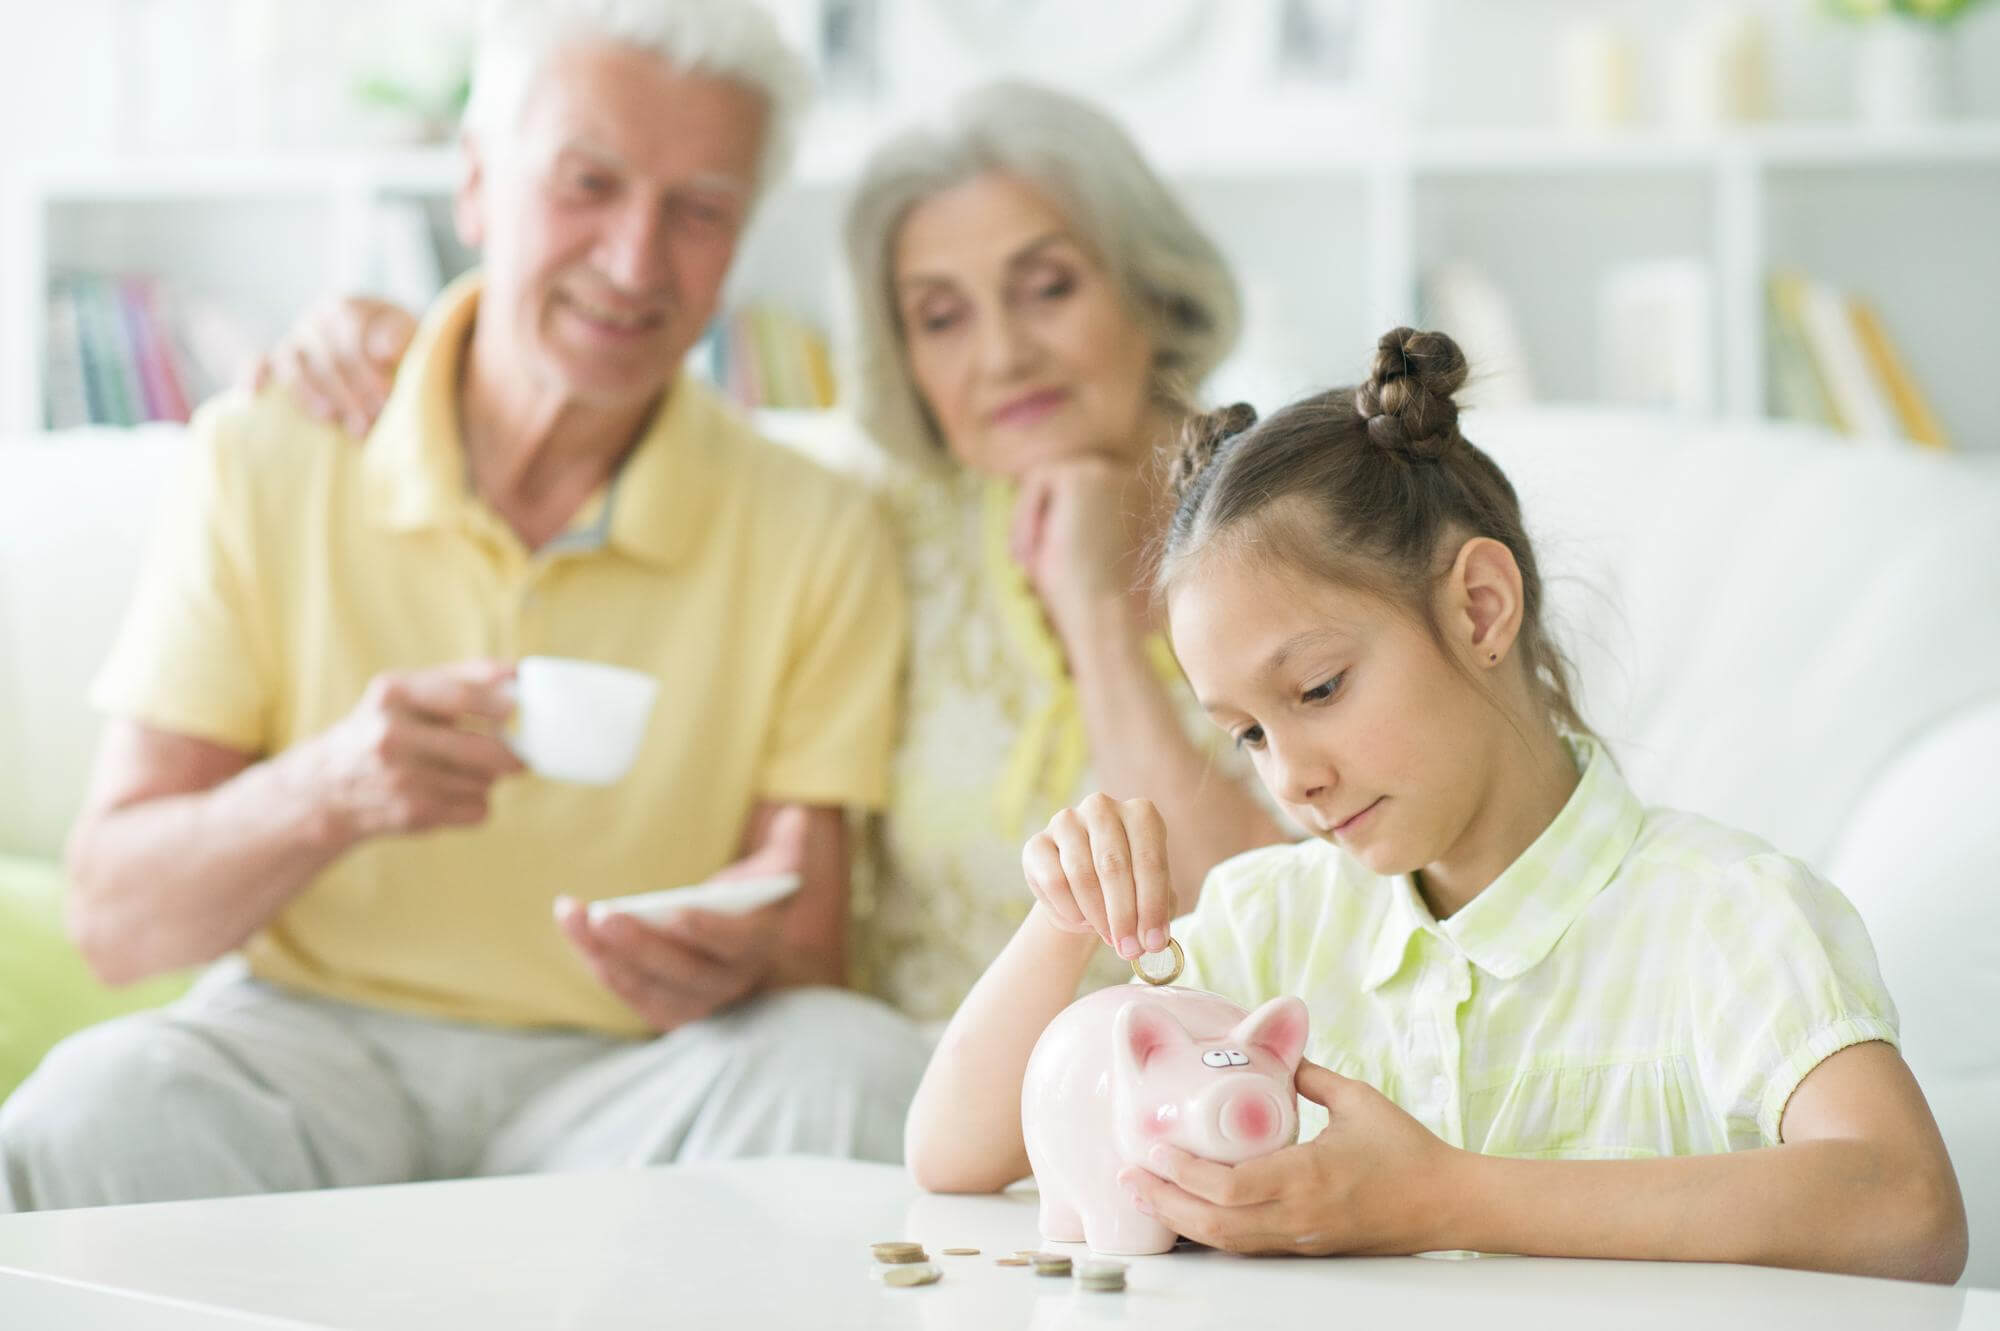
<point x="1030" y="299"/>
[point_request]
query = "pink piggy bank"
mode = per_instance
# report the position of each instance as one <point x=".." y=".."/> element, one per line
<point x="1130" y="1066"/>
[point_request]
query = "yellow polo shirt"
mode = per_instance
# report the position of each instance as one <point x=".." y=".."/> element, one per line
<point x="761" y="591"/>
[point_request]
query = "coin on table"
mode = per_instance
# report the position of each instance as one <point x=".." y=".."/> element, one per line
<point x="1162" y="967"/>
<point x="1010" y="1261"/>
<point x="904" y="1276"/>
<point x="1108" y="1277"/>
<point x="961" y="1252"/>
<point x="899" y="1252"/>
<point x="1029" y="1254"/>
<point x="1051" y="1264"/>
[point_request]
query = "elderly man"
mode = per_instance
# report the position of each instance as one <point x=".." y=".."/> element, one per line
<point x="304" y="758"/>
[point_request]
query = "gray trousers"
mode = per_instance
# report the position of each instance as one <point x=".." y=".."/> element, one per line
<point x="242" y="1087"/>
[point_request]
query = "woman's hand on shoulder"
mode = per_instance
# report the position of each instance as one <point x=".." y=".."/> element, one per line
<point x="1101" y="868"/>
<point x="339" y="360"/>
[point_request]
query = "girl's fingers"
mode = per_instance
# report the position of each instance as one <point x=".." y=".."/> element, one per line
<point x="1111" y="860"/>
<point x="1043" y="868"/>
<point x="1251" y="1183"/>
<point x="1072" y="840"/>
<point x="1146" y="835"/>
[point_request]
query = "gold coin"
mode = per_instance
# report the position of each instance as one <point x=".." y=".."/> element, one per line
<point x="1047" y="1265"/>
<point x="961" y="1252"/>
<point x="899" y="1253"/>
<point x="1178" y="960"/>
<point x="1010" y="1261"/>
<point x="902" y="1277"/>
<point x="1107" y="1277"/>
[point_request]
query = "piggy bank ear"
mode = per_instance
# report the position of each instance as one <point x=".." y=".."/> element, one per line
<point x="1279" y="1028"/>
<point x="1143" y="1031"/>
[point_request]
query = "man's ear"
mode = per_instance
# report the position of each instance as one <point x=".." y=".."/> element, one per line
<point x="1484" y="601"/>
<point x="468" y="203"/>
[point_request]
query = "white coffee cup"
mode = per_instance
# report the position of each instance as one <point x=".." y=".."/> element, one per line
<point x="579" y="720"/>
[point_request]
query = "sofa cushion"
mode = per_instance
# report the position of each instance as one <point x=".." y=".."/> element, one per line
<point x="47" y="991"/>
<point x="76" y="509"/>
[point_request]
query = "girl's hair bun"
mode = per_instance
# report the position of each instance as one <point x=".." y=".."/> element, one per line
<point x="1407" y="400"/>
<point x="1203" y="434"/>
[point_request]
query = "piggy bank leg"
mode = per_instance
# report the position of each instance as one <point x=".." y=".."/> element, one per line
<point x="1060" y="1222"/>
<point x="1119" y="1230"/>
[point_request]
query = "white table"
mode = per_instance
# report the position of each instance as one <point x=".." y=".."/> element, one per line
<point x="784" y="1243"/>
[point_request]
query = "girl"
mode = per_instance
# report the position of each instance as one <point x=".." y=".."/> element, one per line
<point x="1545" y="1019"/>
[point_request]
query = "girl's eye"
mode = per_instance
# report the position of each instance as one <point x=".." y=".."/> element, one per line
<point x="1054" y="290"/>
<point x="1252" y="738"/>
<point x="938" y="321"/>
<point x="1322" y="692"/>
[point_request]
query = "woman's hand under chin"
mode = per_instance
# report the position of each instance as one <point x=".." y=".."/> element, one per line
<point x="1080" y="525"/>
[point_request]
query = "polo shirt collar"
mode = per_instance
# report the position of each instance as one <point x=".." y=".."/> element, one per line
<point x="414" y="465"/>
<point x="1517" y="921"/>
<point x="654" y="508"/>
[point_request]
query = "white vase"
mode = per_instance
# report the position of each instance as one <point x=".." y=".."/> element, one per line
<point x="1904" y="73"/>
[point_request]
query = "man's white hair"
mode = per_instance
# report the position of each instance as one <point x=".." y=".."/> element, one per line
<point x="730" y="39"/>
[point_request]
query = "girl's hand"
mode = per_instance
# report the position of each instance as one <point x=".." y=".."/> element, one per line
<point x="1101" y="868"/>
<point x="339" y="360"/>
<point x="1375" y="1181"/>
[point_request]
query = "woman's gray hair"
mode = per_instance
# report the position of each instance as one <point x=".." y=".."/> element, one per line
<point x="730" y="39"/>
<point x="1170" y="273"/>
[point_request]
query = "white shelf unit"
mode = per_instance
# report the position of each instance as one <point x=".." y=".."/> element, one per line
<point x="1330" y="236"/>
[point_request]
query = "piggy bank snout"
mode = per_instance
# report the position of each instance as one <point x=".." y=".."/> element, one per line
<point x="1249" y="1117"/>
<point x="1244" y="1117"/>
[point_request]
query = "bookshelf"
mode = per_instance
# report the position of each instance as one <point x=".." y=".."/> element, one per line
<point x="1332" y="235"/>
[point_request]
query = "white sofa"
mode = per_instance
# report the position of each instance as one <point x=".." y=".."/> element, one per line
<point x="1783" y="629"/>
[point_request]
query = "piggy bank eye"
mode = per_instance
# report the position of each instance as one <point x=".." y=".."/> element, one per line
<point x="1216" y="1058"/>
<point x="1238" y="1059"/>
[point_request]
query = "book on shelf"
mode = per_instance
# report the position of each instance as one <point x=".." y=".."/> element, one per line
<point x="1656" y="335"/>
<point x="1833" y="363"/>
<point x="764" y="356"/>
<point x="123" y="349"/>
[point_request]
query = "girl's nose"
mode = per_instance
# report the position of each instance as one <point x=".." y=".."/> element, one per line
<point x="1302" y="778"/>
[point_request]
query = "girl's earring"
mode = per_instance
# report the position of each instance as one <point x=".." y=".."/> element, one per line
<point x="1493" y="656"/>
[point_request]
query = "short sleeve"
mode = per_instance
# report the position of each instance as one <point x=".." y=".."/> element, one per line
<point x="836" y="714"/>
<point x="1788" y="979"/>
<point x="1229" y="938"/>
<point x="187" y="658"/>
